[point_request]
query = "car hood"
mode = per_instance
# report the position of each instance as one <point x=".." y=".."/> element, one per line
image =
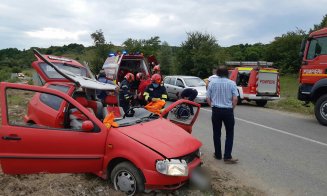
<point x="164" y="137"/>
<point x="200" y="89"/>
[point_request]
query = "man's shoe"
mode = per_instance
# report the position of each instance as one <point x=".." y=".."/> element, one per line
<point x="231" y="161"/>
<point x="214" y="156"/>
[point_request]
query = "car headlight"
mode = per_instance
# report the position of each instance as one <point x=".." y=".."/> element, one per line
<point x="172" y="167"/>
<point x="201" y="93"/>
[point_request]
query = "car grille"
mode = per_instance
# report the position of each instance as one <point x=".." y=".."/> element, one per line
<point x="190" y="157"/>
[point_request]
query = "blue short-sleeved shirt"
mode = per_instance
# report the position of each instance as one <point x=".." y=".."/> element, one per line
<point x="221" y="91"/>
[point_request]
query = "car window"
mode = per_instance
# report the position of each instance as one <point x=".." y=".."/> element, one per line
<point x="167" y="80"/>
<point x="172" y="81"/>
<point x="179" y="82"/>
<point x="51" y="100"/>
<point x="192" y="82"/>
<point x="53" y="74"/>
<point x="24" y="109"/>
<point x="317" y="47"/>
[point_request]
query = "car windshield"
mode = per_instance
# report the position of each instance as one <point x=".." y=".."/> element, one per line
<point x="140" y="115"/>
<point x="53" y="74"/>
<point x="193" y="82"/>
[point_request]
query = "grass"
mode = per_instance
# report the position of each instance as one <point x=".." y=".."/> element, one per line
<point x="289" y="102"/>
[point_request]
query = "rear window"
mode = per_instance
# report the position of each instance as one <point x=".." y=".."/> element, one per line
<point x="53" y="74"/>
<point x="53" y="101"/>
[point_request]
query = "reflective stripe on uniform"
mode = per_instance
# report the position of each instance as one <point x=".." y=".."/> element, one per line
<point x="164" y="96"/>
<point x="146" y="95"/>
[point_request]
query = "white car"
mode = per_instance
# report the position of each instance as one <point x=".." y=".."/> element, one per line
<point x="176" y="84"/>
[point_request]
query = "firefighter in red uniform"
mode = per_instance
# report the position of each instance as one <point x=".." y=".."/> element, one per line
<point x="155" y="91"/>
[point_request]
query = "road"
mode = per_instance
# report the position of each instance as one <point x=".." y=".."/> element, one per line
<point x="280" y="153"/>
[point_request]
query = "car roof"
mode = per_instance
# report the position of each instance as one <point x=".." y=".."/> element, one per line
<point x="182" y="76"/>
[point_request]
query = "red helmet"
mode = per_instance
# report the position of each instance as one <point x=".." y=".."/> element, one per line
<point x="156" y="68"/>
<point x="129" y="77"/>
<point x="156" y="78"/>
<point x="139" y="76"/>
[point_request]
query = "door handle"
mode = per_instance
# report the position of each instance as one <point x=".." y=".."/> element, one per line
<point x="11" y="137"/>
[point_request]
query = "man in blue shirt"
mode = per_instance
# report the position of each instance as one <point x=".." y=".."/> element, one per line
<point x="222" y="97"/>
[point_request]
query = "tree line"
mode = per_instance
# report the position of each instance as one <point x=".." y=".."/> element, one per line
<point x="197" y="55"/>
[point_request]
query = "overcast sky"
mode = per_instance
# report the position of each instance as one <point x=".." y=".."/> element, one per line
<point x="44" y="23"/>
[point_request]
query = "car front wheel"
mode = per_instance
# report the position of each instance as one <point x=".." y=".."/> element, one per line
<point x="127" y="178"/>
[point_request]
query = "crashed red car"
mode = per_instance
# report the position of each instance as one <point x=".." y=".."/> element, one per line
<point x="145" y="152"/>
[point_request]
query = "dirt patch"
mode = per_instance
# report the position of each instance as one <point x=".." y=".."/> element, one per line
<point x="222" y="183"/>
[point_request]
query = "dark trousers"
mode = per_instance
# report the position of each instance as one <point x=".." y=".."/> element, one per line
<point x="226" y="116"/>
<point x="124" y="104"/>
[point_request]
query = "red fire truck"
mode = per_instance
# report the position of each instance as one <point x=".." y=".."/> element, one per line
<point x="313" y="73"/>
<point x="255" y="81"/>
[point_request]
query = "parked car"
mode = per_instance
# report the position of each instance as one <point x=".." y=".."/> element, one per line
<point x="146" y="151"/>
<point x="176" y="84"/>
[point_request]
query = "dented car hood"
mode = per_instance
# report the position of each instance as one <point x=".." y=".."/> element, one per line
<point x="163" y="137"/>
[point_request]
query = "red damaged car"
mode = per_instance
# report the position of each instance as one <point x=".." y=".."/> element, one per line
<point x="58" y="128"/>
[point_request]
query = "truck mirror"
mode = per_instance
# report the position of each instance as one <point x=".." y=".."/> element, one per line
<point x="87" y="126"/>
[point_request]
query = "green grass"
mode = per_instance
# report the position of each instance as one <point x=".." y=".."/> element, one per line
<point x="289" y="102"/>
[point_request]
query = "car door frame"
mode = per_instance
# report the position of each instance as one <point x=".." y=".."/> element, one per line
<point x="34" y="149"/>
<point x="186" y="127"/>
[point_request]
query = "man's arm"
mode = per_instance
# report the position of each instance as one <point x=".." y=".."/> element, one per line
<point x="235" y="99"/>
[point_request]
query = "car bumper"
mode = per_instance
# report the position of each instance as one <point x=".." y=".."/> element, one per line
<point x="268" y="98"/>
<point x="156" y="180"/>
<point x="200" y="99"/>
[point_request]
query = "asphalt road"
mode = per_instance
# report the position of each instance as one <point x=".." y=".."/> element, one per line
<point x="280" y="153"/>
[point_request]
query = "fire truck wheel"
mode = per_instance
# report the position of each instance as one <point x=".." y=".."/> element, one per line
<point x="261" y="103"/>
<point x="321" y="110"/>
<point x="127" y="178"/>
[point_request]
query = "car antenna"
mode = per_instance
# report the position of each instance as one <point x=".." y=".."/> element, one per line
<point x="38" y="54"/>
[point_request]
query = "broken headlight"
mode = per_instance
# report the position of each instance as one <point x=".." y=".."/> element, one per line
<point x="172" y="167"/>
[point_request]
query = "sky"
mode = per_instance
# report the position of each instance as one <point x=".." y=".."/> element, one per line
<point x="45" y="23"/>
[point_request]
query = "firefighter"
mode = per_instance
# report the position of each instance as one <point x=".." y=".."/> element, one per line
<point x="155" y="91"/>
<point x="125" y="94"/>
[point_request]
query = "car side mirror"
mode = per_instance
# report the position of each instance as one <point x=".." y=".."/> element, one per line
<point x="87" y="126"/>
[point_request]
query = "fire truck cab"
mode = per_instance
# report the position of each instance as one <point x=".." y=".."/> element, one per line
<point x="313" y="73"/>
<point x="255" y="81"/>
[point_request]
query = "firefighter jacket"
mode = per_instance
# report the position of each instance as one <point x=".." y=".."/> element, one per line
<point x="125" y="91"/>
<point x="151" y="92"/>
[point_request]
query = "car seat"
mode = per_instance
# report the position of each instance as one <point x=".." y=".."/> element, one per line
<point x="112" y="106"/>
<point x="76" y="116"/>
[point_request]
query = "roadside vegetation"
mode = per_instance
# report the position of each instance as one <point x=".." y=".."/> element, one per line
<point x="289" y="102"/>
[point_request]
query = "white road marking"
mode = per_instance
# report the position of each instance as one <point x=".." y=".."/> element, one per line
<point x="277" y="130"/>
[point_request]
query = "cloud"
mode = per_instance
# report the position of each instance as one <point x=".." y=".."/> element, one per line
<point x="56" y="33"/>
<point x="50" y="22"/>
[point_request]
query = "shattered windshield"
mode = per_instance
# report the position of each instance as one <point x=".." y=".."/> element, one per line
<point x="139" y="115"/>
<point x="53" y="74"/>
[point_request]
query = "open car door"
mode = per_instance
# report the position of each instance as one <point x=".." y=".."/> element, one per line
<point x="183" y="113"/>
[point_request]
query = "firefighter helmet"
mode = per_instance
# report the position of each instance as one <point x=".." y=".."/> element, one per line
<point x="129" y="77"/>
<point x="156" y="78"/>
<point x="139" y="76"/>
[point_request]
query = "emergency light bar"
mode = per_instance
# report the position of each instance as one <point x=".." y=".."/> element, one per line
<point x="249" y="63"/>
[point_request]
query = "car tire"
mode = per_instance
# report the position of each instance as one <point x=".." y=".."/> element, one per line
<point x="127" y="178"/>
<point x="261" y="103"/>
<point x="321" y="110"/>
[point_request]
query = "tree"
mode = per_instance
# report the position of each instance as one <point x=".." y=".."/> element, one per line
<point x="146" y="46"/>
<point x="165" y="58"/>
<point x="101" y="51"/>
<point x="283" y="51"/>
<point x="197" y="55"/>
<point x="322" y="24"/>
<point x="98" y="37"/>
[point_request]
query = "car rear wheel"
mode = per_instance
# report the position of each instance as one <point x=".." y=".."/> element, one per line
<point x="261" y="103"/>
<point x="127" y="178"/>
<point x="321" y="110"/>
